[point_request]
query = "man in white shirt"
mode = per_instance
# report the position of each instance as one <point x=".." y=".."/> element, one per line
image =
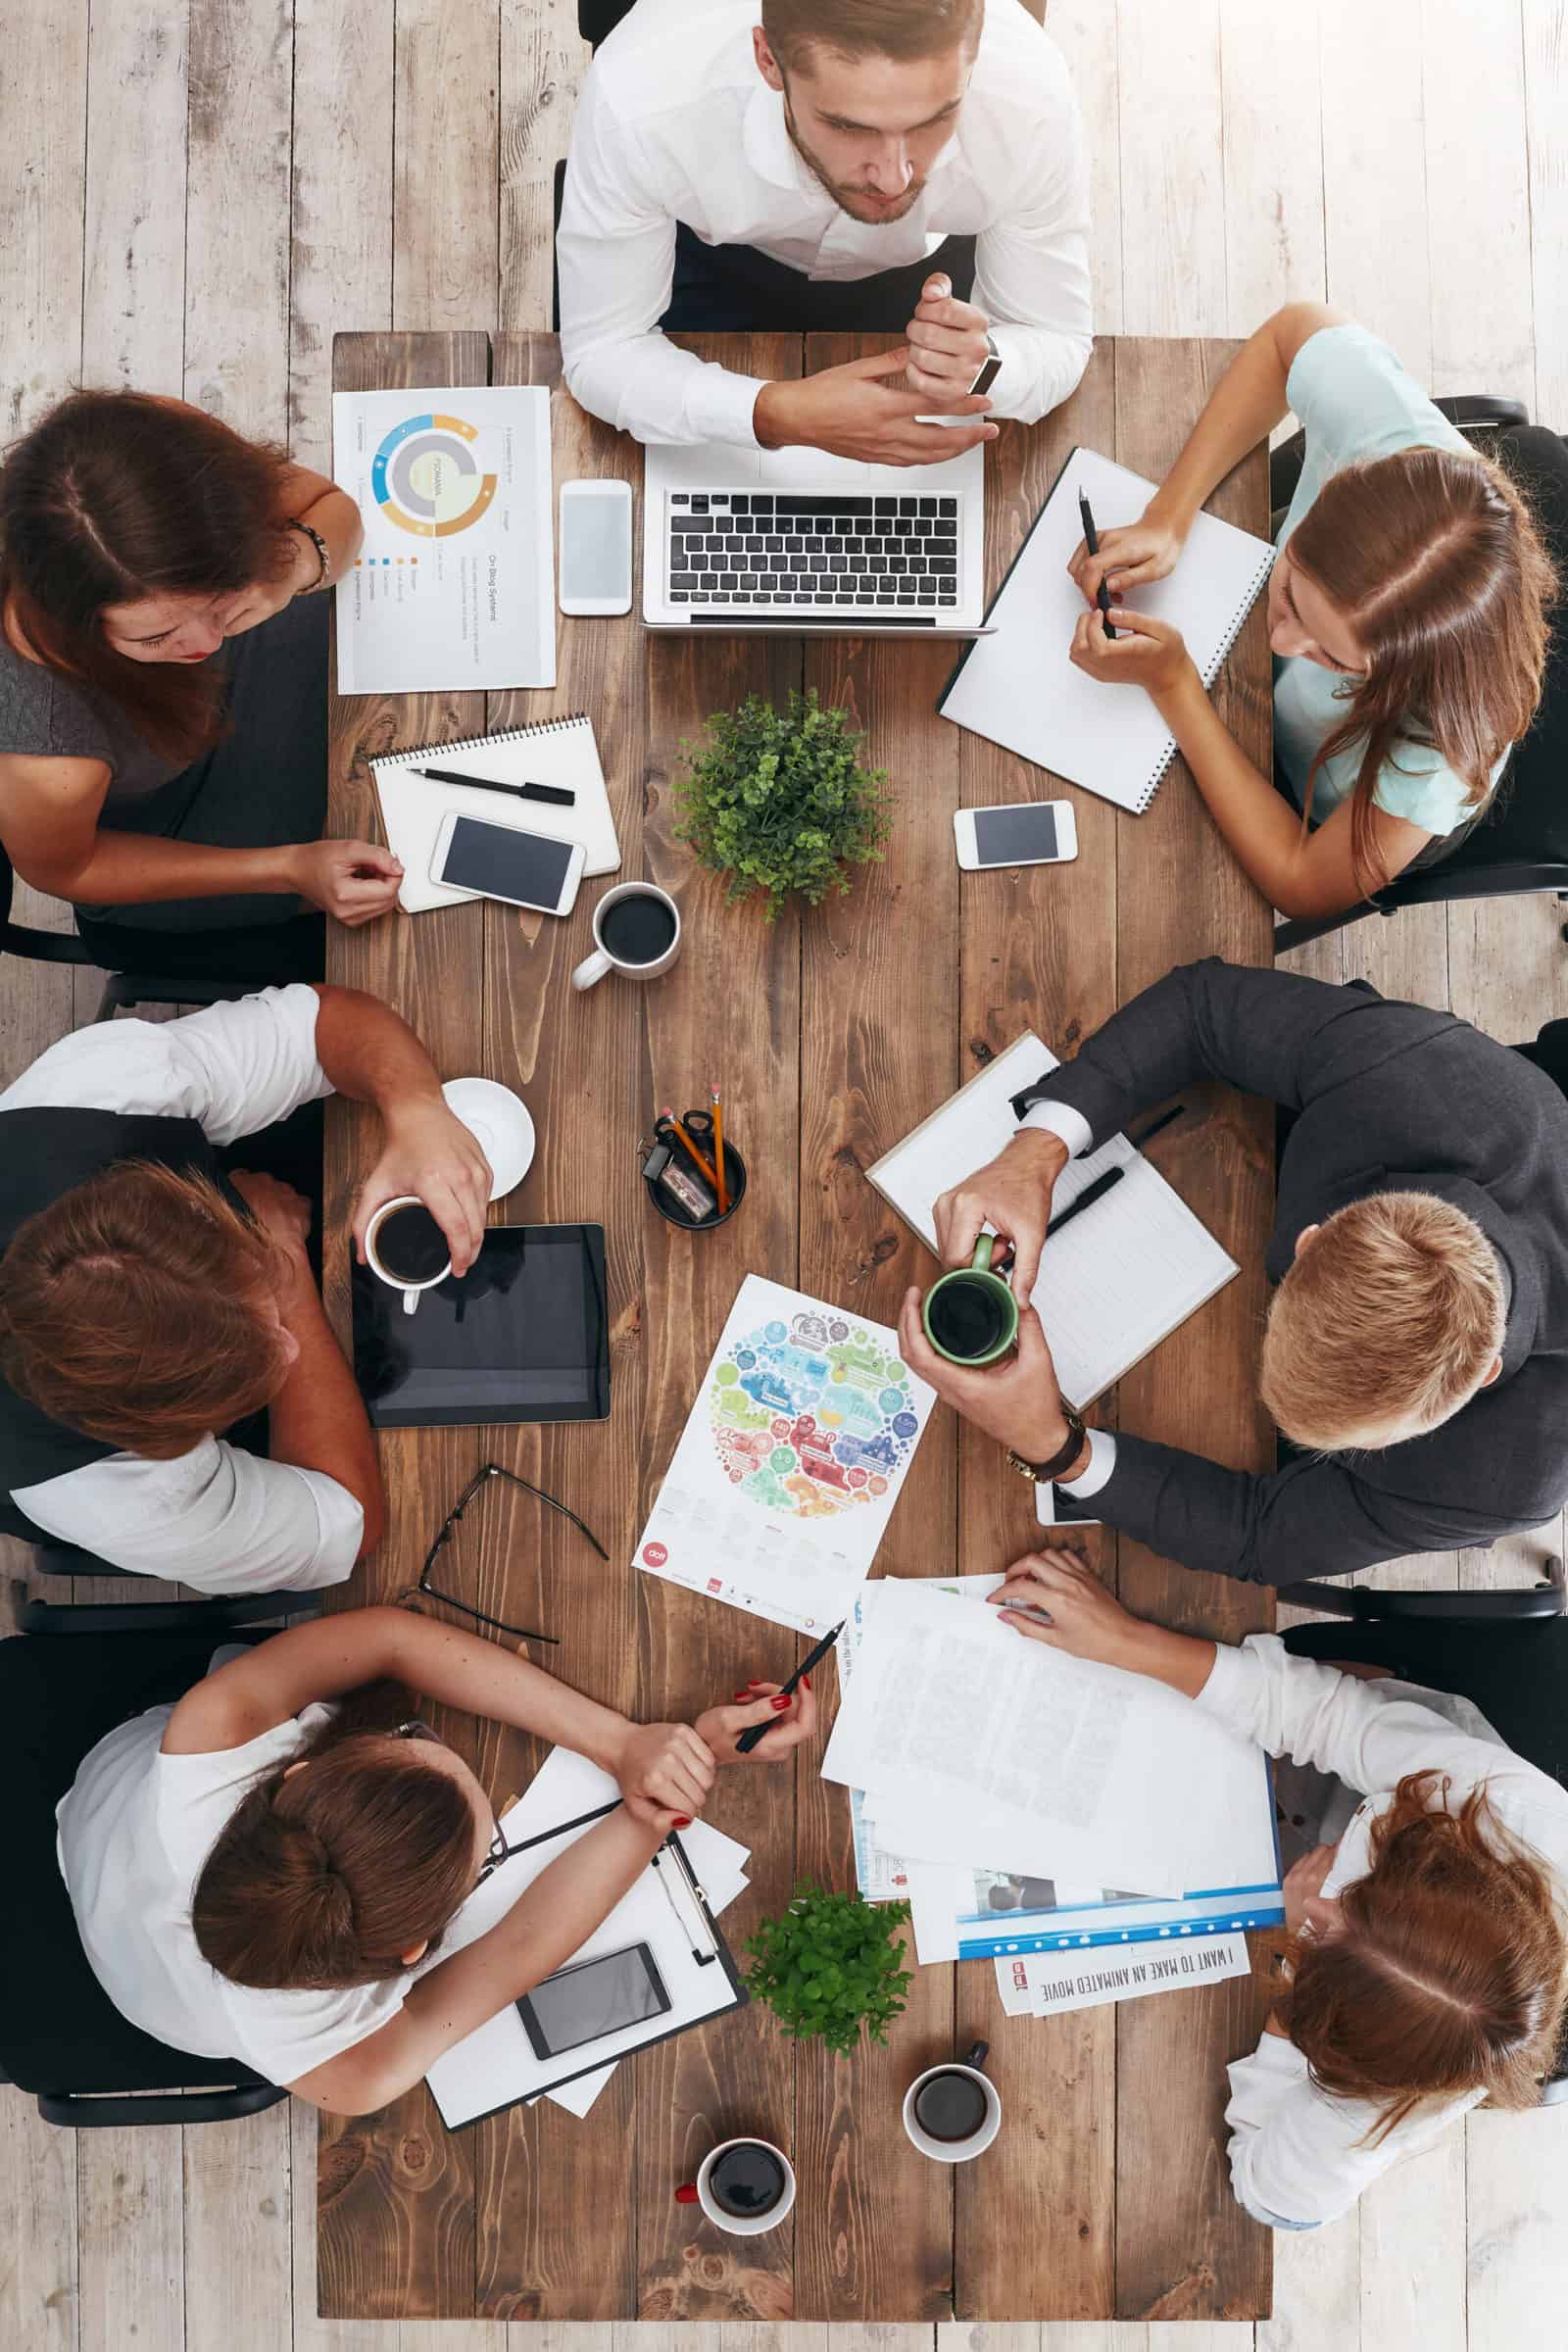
<point x="142" y="1309"/>
<point x="835" y="167"/>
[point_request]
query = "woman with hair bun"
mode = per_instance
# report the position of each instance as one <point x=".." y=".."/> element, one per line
<point x="162" y="671"/>
<point x="274" y="1869"/>
<point x="1427" y="1968"/>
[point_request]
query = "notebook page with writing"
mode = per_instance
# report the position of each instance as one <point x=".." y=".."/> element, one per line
<point x="1019" y="688"/>
<point x="1118" y="1280"/>
<point x="554" y="751"/>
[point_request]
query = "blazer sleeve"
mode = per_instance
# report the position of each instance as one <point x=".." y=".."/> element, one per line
<point x="1312" y="1518"/>
<point x="1267" y="1033"/>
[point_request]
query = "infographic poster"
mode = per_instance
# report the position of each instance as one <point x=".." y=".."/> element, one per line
<point x="786" y="1474"/>
<point x="454" y="587"/>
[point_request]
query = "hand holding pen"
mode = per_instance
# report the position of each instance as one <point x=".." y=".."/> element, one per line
<point x="761" y="1707"/>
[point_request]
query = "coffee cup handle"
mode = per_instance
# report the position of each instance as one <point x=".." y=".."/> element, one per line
<point x="982" y="1253"/>
<point x="411" y="1300"/>
<point x="592" y="969"/>
<point x="978" y="2055"/>
<point x="686" y="2194"/>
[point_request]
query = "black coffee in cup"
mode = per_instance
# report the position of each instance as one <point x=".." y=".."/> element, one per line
<point x="747" y="2181"/>
<point x="968" y="1318"/>
<point x="410" y="1246"/>
<point x="637" y="929"/>
<point x="952" y="2106"/>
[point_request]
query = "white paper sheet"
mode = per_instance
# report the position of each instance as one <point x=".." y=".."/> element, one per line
<point x="1118" y="1280"/>
<point x="495" y="2065"/>
<point x="454" y="588"/>
<point x="1041" y="1983"/>
<point x="1018" y="687"/>
<point x="785" y="1477"/>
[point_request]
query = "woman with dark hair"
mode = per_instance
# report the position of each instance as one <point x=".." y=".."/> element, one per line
<point x="162" y="670"/>
<point x="1427" y="1968"/>
<point x="276" y="1868"/>
<point x="1406" y="611"/>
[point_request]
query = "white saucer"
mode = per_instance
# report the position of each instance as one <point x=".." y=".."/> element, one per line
<point x="501" y="1122"/>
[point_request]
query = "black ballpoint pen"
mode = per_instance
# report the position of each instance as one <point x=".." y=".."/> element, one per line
<point x="1092" y="542"/>
<point x="1086" y="1200"/>
<point x="557" y="795"/>
<point x="758" y="1730"/>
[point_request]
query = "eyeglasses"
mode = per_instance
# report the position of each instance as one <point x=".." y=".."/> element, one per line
<point x="482" y="1479"/>
<point x="500" y="1851"/>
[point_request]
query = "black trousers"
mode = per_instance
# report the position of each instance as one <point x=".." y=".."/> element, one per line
<point x="733" y="289"/>
<point x="1515" y="1674"/>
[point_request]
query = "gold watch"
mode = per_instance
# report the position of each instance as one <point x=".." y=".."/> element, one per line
<point x="1041" y="1473"/>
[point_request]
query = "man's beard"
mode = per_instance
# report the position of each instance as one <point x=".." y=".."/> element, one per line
<point x="883" y="217"/>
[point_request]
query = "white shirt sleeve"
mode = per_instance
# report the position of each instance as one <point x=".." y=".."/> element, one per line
<point x="232" y="1068"/>
<point x="218" y="1518"/>
<point x="1059" y="1118"/>
<point x="1032" y="276"/>
<point x="1097" y="1471"/>
<point x="616" y="250"/>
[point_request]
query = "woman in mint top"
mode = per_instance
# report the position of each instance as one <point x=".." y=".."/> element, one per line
<point x="1406" y="612"/>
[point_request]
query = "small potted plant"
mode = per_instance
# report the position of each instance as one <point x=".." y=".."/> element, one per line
<point x="829" y="1966"/>
<point x="778" y="800"/>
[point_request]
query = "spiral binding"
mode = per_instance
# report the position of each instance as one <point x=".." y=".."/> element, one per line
<point x="1210" y="674"/>
<point x="482" y="743"/>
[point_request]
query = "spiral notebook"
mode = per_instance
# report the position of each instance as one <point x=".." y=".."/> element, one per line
<point x="554" y="751"/>
<point x="1019" y="688"/>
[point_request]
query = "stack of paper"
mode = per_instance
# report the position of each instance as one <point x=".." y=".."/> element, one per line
<point x="1028" y="1802"/>
<point x="1042" y="1983"/>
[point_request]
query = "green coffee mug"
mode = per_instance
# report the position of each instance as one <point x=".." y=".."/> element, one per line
<point x="970" y="1315"/>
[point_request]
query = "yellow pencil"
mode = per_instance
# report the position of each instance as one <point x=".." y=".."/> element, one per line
<point x="718" y="1149"/>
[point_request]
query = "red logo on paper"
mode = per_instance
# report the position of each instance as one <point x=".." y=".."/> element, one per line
<point x="654" y="1555"/>
<point x="716" y="1583"/>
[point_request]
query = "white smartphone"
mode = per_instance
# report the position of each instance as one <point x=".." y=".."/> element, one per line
<point x="504" y="861"/>
<point x="596" y="546"/>
<point x="1021" y="833"/>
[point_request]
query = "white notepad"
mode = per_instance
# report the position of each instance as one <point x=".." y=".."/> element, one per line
<point x="554" y="750"/>
<point x="1019" y="688"/>
<point x="1118" y="1280"/>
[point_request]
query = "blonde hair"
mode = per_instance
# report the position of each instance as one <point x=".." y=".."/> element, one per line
<point x="1388" y="1322"/>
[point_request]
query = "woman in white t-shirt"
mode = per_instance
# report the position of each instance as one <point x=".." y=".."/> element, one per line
<point x="1406" y="612"/>
<point x="1428" y="1967"/>
<point x="257" y="1872"/>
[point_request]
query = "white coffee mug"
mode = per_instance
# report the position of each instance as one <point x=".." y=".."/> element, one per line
<point x="955" y="2151"/>
<point x="738" y="2225"/>
<point x="411" y="1290"/>
<point x="594" y="967"/>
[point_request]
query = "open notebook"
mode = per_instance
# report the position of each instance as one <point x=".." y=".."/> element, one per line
<point x="1120" y="1278"/>
<point x="554" y="751"/>
<point x="1019" y="688"/>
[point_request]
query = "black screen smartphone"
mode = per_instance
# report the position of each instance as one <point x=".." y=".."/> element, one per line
<point x="591" y="1998"/>
<point x="990" y="369"/>
<point x="530" y="869"/>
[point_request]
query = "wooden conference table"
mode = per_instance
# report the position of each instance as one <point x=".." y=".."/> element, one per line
<point x="831" y="1033"/>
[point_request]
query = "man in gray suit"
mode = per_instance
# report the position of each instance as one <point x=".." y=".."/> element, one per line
<point x="1416" y="1352"/>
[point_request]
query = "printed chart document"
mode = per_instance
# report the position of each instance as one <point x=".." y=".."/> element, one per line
<point x="786" y="1474"/>
<point x="1038" y="1983"/>
<point x="1118" y="1280"/>
<point x="454" y="587"/>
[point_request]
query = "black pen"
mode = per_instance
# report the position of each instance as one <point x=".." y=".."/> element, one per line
<point x="1156" y="1126"/>
<point x="1091" y="541"/>
<point x="1086" y="1200"/>
<point x="758" y="1731"/>
<point x="557" y="795"/>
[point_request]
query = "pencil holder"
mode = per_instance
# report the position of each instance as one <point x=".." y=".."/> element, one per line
<point x="672" y="1211"/>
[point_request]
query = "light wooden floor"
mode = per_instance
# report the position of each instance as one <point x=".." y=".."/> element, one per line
<point x="192" y="199"/>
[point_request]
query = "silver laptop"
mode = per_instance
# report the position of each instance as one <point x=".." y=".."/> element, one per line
<point x="754" y="541"/>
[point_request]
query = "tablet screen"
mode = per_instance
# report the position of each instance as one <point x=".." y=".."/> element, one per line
<point x="523" y="1335"/>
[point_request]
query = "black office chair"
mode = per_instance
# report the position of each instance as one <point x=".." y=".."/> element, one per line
<point x="1520" y="846"/>
<point x="61" y="2036"/>
<point x="173" y="967"/>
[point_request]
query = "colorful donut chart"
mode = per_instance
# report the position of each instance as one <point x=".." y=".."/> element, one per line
<point x="810" y="1417"/>
<point x="425" y="478"/>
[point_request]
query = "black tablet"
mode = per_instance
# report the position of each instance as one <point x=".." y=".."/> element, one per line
<point x="523" y="1335"/>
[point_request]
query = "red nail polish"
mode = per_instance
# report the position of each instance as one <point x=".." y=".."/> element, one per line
<point x="682" y="1821"/>
<point x="807" y="1680"/>
<point x="780" y="1703"/>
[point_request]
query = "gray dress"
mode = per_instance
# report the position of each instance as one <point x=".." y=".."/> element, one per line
<point x="262" y="784"/>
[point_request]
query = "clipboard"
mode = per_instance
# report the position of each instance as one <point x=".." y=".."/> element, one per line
<point x="666" y="1906"/>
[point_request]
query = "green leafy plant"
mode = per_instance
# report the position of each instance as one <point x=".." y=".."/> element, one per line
<point x="780" y="801"/>
<point x="830" y="1965"/>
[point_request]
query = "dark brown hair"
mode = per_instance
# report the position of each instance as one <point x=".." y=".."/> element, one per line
<point x="899" y="28"/>
<point x="324" y="1878"/>
<point x="1433" y="558"/>
<point x="114" y="496"/>
<point x="1447" y="1971"/>
<point x="131" y="1309"/>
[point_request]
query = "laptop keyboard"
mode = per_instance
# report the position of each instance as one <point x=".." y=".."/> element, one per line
<point x="740" y="546"/>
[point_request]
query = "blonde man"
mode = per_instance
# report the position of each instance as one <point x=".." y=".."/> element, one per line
<point x="1416" y="1350"/>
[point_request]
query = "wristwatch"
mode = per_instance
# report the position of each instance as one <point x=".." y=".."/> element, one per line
<point x="1041" y="1473"/>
